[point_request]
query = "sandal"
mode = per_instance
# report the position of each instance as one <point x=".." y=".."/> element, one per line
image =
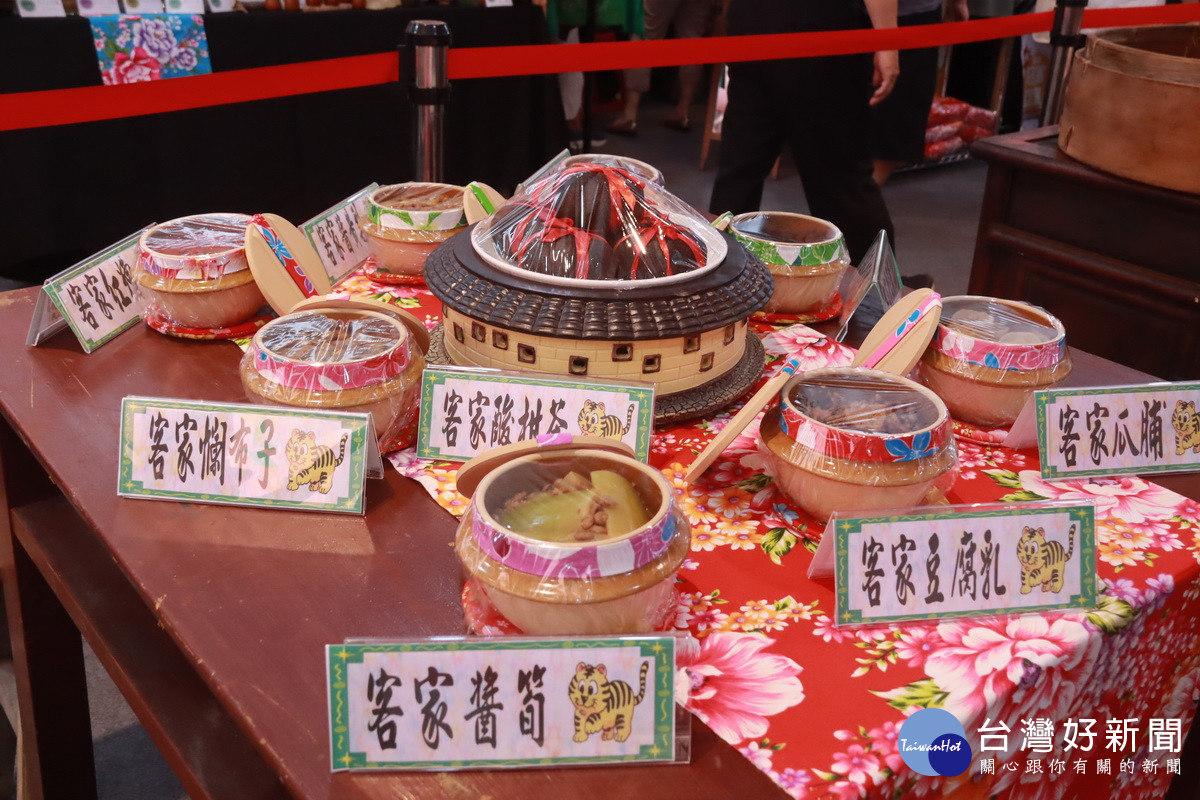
<point x="627" y="128"/>
<point x="682" y="124"/>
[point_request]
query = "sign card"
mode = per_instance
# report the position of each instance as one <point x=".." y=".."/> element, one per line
<point x="98" y="8"/>
<point x="96" y="297"/>
<point x="1119" y="430"/>
<point x="245" y="455"/>
<point x="41" y="8"/>
<point x="511" y="702"/>
<point x="467" y="411"/>
<point x="956" y="561"/>
<point x="336" y="236"/>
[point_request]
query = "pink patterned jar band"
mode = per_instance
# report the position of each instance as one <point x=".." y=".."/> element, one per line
<point x="319" y="377"/>
<point x="859" y="446"/>
<point x="565" y="561"/>
<point x="962" y="347"/>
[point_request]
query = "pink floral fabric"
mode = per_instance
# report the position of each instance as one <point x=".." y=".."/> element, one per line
<point x="147" y="47"/>
<point x="818" y="708"/>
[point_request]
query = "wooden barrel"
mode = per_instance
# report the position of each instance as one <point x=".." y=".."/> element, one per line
<point x="1133" y="105"/>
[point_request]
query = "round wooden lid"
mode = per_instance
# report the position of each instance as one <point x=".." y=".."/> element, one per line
<point x="471" y="473"/>
<point x="897" y="341"/>
<point x="285" y="266"/>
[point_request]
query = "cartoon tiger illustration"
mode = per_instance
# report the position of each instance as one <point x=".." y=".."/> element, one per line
<point x="311" y="463"/>
<point x="1186" y="423"/>
<point x="1043" y="562"/>
<point x="594" y="422"/>
<point x="602" y="704"/>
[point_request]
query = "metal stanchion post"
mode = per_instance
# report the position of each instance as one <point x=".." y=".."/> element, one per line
<point x="423" y="63"/>
<point x="1065" y="39"/>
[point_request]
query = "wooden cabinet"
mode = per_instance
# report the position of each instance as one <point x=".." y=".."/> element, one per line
<point x="1117" y="261"/>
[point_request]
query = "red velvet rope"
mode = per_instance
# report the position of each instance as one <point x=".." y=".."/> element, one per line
<point x="92" y="103"/>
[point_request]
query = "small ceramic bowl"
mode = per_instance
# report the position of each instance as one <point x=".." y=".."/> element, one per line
<point x="988" y="356"/>
<point x="194" y="270"/>
<point x="853" y="440"/>
<point x="806" y="256"/>
<point x="602" y="586"/>
<point x="407" y="221"/>
<point x="340" y="360"/>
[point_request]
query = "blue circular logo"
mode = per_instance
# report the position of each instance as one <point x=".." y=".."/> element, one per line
<point x="932" y="742"/>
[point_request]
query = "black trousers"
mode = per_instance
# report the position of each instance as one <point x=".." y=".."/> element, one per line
<point x="815" y="106"/>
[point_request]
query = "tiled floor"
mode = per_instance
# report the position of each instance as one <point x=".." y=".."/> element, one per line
<point x="935" y="212"/>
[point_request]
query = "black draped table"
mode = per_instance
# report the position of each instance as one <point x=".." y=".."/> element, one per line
<point x="71" y="190"/>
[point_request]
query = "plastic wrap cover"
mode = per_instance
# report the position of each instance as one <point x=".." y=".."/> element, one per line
<point x="598" y="224"/>
<point x="792" y="245"/>
<point x="997" y="334"/>
<point x="575" y="528"/>
<point x="343" y="361"/>
<point x="415" y="212"/>
<point x="200" y="236"/>
<point x="641" y="169"/>
<point x="332" y="350"/>
<point x="201" y="247"/>
<point x="889" y="424"/>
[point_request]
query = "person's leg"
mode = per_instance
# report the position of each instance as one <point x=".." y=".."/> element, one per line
<point x="827" y="132"/>
<point x="691" y="22"/>
<point x="751" y="137"/>
<point x="658" y="15"/>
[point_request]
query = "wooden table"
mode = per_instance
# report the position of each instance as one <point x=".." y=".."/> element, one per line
<point x="212" y="620"/>
<point x="1114" y="259"/>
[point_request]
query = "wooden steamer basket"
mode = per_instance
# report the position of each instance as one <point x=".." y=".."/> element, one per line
<point x="1132" y="103"/>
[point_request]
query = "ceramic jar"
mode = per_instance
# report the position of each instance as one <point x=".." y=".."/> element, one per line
<point x="988" y="356"/>
<point x="852" y="440"/>
<point x="623" y="584"/>
<point x="806" y="256"/>
<point x="340" y="360"/>
<point x="406" y="221"/>
<point x="193" y="272"/>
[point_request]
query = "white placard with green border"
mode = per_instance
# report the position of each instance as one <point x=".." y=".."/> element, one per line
<point x="336" y="236"/>
<point x="184" y="6"/>
<point x="448" y="704"/>
<point x="41" y="8"/>
<point x="245" y="455"/>
<point x="958" y="561"/>
<point x="1119" y="430"/>
<point x="465" y="412"/>
<point x="96" y="297"/>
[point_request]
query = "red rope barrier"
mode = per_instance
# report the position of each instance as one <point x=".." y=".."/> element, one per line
<point x="93" y="103"/>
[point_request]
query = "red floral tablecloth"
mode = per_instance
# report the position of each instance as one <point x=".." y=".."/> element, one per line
<point x="818" y="708"/>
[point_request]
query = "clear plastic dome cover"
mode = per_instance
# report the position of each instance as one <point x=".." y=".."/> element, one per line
<point x="592" y="224"/>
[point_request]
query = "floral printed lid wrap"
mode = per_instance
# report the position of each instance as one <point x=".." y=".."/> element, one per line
<point x="1000" y="334"/>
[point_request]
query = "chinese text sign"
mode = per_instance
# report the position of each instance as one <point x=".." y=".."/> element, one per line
<point x="455" y="704"/>
<point x="337" y="236"/>
<point x="1119" y="430"/>
<point x="97" y="296"/>
<point x="464" y="412"/>
<point x="990" y="560"/>
<point x="243" y="454"/>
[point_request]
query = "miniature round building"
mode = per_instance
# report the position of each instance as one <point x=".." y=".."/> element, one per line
<point x="596" y="274"/>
